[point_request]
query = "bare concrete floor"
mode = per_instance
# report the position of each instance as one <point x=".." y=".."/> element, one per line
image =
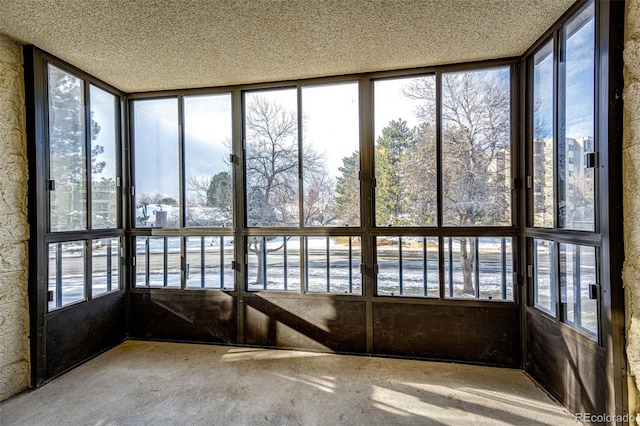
<point x="153" y="383"/>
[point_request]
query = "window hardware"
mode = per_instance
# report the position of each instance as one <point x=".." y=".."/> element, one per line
<point x="593" y="291"/>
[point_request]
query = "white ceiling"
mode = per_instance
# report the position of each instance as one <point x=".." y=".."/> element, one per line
<point x="141" y="45"/>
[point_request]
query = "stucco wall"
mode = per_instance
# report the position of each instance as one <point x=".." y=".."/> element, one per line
<point x="631" y="179"/>
<point x="14" y="231"/>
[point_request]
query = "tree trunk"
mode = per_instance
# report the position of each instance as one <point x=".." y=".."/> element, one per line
<point x="260" y="255"/>
<point x="467" y="260"/>
<point x="259" y="251"/>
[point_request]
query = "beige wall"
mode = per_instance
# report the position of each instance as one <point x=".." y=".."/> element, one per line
<point x="631" y="190"/>
<point x="14" y="231"/>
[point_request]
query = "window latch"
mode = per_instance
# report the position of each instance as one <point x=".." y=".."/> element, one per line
<point x="590" y="160"/>
<point x="530" y="271"/>
<point x="593" y="291"/>
<point x="51" y="184"/>
<point x="50" y="296"/>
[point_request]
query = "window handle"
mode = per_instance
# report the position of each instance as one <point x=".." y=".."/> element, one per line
<point x="593" y="291"/>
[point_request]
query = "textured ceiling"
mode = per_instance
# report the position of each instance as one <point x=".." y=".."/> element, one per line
<point x="140" y="45"/>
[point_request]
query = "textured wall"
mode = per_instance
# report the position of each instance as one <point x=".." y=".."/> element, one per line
<point x="631" y="179"/>
<point x="14" y="231"/>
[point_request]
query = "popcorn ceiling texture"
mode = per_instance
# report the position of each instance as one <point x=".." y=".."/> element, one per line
<point x="14" y="230"/>
<point x="166" y="44"/>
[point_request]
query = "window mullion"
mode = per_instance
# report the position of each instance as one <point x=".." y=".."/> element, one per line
<point x="87" y="154"/>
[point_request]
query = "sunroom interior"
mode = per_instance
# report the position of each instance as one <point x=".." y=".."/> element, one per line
<point x="438" y="180"/>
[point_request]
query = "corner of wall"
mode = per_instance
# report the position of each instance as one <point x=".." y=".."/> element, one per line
<point x="14" y="229"/>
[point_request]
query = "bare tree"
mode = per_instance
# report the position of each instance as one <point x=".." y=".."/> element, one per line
<point x="271" y="163"/>
<point x="273" y="171"/>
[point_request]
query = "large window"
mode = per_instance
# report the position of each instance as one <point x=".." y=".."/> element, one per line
<point x="285" y="202"/>
<point x="67" y="152"/>
<point x="157" y="165"/>
<point x="272" y="158"/>
<point x="405" y="151"/>
<point x="83" y="157"/>
<point x="455" y="172"/>
<point x="576" y="123"/>
<point x="562" y="185"/>
<point x="207" y="146"/>
<point x="543" y="137"/>
<point x="331" y="155"/>
<point x="476" y="148"/>
<point x="183" y="181"/>
<point x="104" y="159"/>
<point x="302" y="170"/>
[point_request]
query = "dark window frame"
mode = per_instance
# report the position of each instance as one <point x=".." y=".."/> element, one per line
<point x="558" y="234"/>
<point x="43" y="236"/>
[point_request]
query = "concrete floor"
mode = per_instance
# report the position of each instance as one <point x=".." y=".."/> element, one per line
<point x="153" y="383"/>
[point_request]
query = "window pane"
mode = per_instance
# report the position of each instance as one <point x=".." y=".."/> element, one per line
<point x="331" y="155"/>
<point x="66" y="273"/>
<point x="576" y="203"/>
<point x="577" y="274"/>
<point x="158" y="262"/>
<point x="476" y="148"/>
<point x="408" y="266"/>
<point x="68" y="202"/>
<point x="405" y="152"/>
<point x="157" y="178"/>
<point x="104" y="163"/>
<point x="271" y="126"/>
<point x="274" y="263"/>
<point x="479" y="268"/>
<point x="543" y="139"/>
<point x="142" y="261"/>
<point x="332" y="265"/>
<point x="207" y="145"/>
<point x="105" y="266"/>
<point x="543" y="276"/>
<point x="209" y="262"/>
